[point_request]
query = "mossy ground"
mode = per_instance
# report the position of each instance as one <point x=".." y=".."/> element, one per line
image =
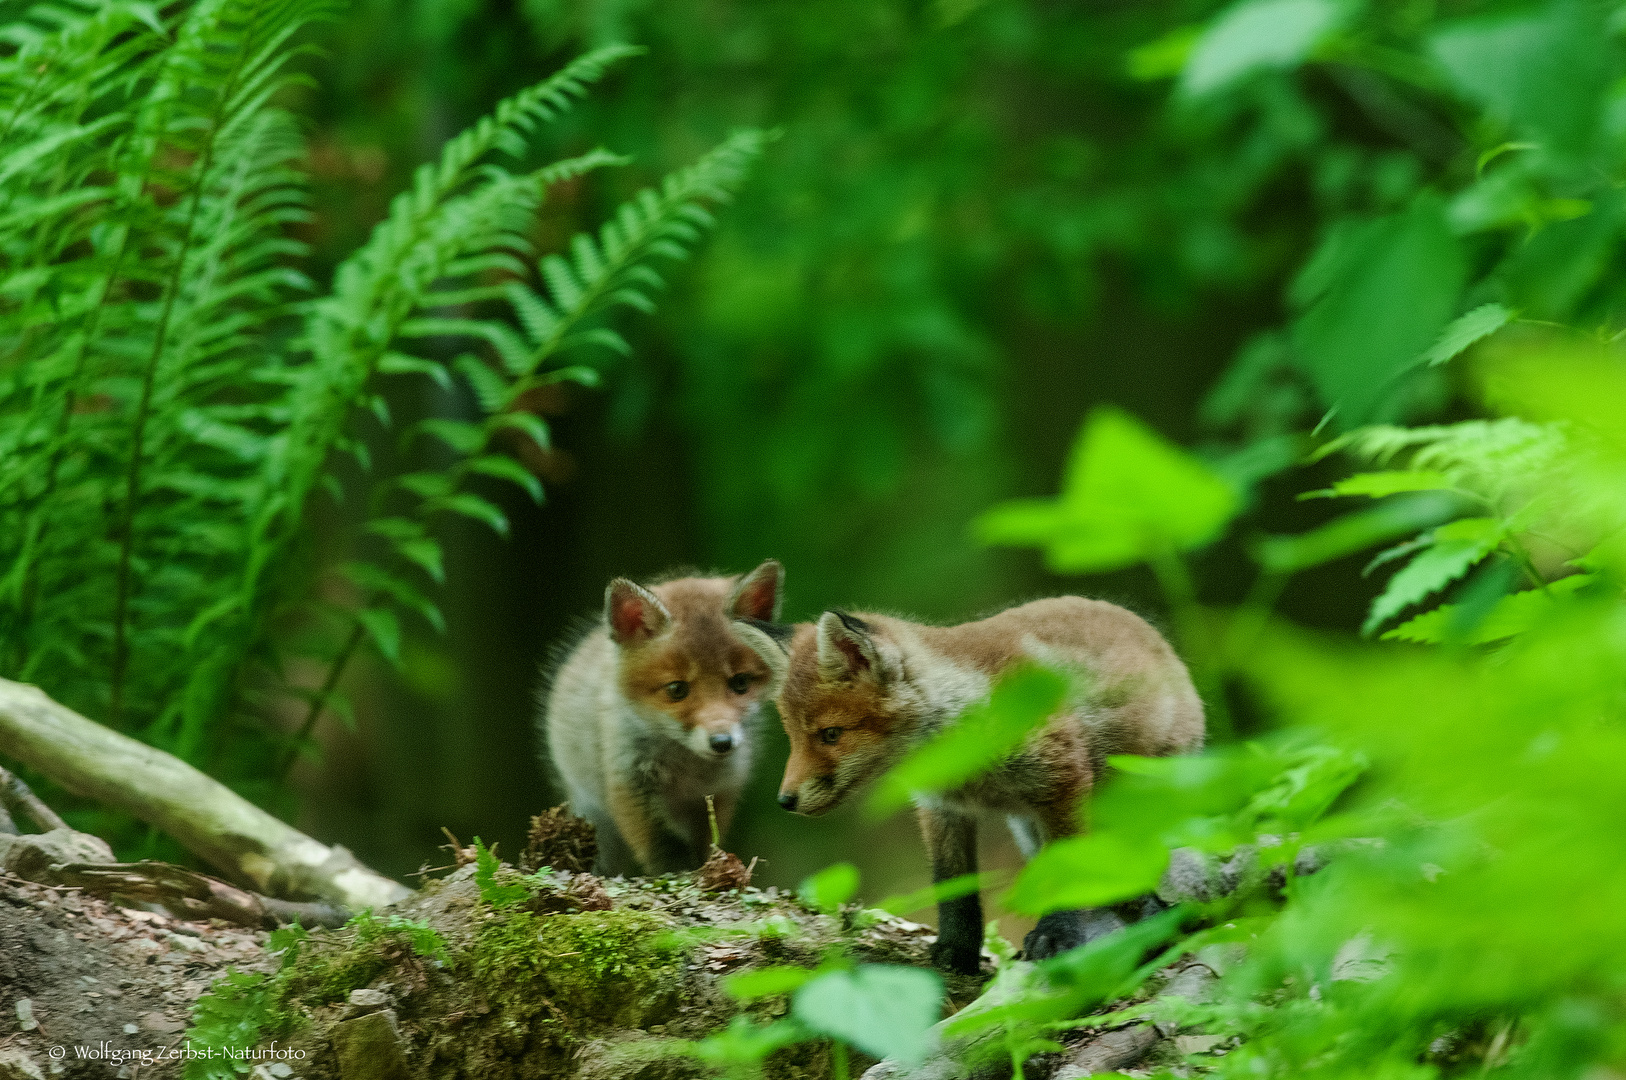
<point x="586" y="995"/>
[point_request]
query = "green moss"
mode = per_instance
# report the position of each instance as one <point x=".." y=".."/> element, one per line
<point x="321" y="975"/>
<point x="618" y="967"/>
<point x="241" y="1009"/>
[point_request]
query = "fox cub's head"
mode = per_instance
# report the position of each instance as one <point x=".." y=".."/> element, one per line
<point x="845" y="704"/>
<point x="678" y="663"/>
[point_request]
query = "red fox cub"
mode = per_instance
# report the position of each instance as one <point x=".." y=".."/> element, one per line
<point x="856" y="693"/>
<point x="653" y="710"/>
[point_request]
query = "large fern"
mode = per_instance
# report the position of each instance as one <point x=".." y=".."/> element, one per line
<point x="174" y="391"/>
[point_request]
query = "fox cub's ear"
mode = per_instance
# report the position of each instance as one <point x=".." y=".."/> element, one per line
<point x="633" y="613"/>
<point x="769" y="641"/>
<point x="757" y="594"/>
<point x="846" y="649"/>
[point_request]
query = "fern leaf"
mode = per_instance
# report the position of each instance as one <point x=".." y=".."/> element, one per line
<point x="1452" y="551"/>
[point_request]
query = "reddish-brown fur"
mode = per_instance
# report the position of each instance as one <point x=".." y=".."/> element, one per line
<point x="858" y="692"/>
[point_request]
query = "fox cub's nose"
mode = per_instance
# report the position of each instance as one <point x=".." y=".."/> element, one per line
<point x="721" y="744"/>
<point x="788" y="801"/>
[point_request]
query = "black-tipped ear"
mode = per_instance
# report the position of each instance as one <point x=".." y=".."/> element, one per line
<point x="757" y="595"/>
<point x="633" y="613"/>
<point x="846" y="650"/>
<point x="771" y="643"/>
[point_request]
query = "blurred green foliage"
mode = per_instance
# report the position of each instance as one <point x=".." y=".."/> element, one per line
<point x="1361" y="252"/>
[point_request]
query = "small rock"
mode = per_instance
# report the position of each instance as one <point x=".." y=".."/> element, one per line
<point x="17" y="1064"/>
<point x="160" y="1024"/>
<point x="1192" y="875"/>
<point x="184" y="943"/>
<point x="25" y="1014"/>
<point x="369" y="999"/>
<point x="370" y="1047"/>
<point x="131" y="1029"/>
<point x="1197" y="1044"/>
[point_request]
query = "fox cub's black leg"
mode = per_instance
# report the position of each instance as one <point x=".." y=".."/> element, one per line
<point x="952" y="841"/>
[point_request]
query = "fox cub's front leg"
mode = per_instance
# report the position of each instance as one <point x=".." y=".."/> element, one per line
<point x="951" y="841"/>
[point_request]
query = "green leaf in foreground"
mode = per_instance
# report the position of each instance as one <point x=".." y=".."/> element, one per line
<point x="1261" y="34"/>
<point x="1023" y="699"/>
<point x="1129" y="495"/>
<point x="1087" y="871"/>
<point x="766" y="982"/>
<point x="1379" y="484"/>
<point x="831" y="887"/>
<point x="1453" y="551"/>
<point x="1511" y="616"/>
<point x="883" y="1009"/>
<point x="1354" y="532"/>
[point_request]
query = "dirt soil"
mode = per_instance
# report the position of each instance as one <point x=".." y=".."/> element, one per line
<point x="589" y="979"/>
<point x="92" y="978"/>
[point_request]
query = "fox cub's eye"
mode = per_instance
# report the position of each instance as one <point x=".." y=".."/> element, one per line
<point x="739" y="683"/>
<point x="677" y="691"/>
<point x="830" y="735"/>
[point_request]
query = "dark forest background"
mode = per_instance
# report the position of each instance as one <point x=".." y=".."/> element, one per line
<point x="979" y="221"/>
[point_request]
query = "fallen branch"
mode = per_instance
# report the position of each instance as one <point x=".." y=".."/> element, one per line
<point x="223" y="829"/>
<point x="190" y="895"/>
<point x="16" y="795"/>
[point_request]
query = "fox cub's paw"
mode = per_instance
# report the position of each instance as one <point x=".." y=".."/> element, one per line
<point x="962" y="957"/>
<point x="1061" y="931"/>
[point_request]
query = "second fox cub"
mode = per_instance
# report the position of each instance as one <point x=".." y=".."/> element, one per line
<point x="859" y="692"/>
<point x="652" y="711"/>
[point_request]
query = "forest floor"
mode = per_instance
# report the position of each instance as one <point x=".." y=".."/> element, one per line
<point x="552" y="974"/>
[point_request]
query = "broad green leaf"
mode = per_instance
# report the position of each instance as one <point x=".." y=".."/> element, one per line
<point x="1023" y="699"/>
<point x="883" y="1009"/>
<point x="1346" y="535"/>
<point x="1388" y="294"/>
<point x="831" y="887"/>
<point x="1128" y="495"/>
<point x="1454" y="549"/>
<point x="744" y="1042"/>
<point x="1087" y="871"/>
<point x="1511" y="616"/>
<point x="1379" y="484"/>
<point x="1258" y="34"/>
<point x="1165" y="57"/>
<point x="1577" y="385"/>
<point x="1476" y="325"/>
<point x="1545" y="72"/>
<point x="766" y="982"/>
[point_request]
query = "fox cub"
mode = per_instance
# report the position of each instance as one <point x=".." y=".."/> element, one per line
<point x="858" y="692"/>
<point x="653" y="710"/>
